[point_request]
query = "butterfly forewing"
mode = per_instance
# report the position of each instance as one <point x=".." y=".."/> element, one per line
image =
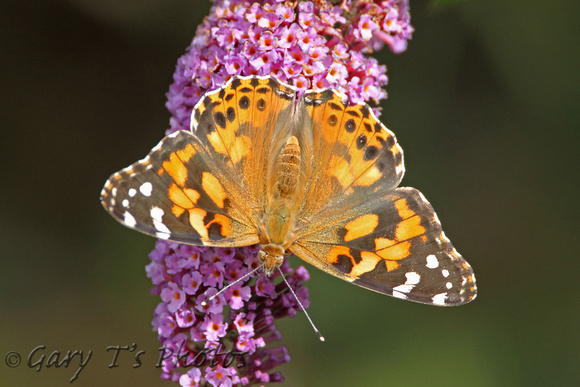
<point x="392" y="245"/>
<point x="176" y="193"/>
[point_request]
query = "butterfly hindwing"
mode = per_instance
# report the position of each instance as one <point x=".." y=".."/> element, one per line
<point x="175" y="193"/>
<point x="352" y="153"/>
<point x="241" y="126"/>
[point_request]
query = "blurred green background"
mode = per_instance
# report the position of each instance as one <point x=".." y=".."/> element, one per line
<point x="485" y="103"/>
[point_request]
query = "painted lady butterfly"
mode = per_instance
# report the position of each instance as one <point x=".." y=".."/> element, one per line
<point x="309" y="176"/>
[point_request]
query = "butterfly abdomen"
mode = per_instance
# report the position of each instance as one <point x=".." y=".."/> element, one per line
<point x="284" y="189"/>
<point x="288" y="169"/>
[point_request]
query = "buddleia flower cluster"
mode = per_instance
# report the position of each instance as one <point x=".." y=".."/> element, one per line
<point x="309" y="44"/>
<point x="222" y="341"/>
<point x="231" y="339"/>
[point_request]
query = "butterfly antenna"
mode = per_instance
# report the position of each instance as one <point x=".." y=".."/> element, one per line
<point x="302" y="306"/>
<point x="204" y="303"/>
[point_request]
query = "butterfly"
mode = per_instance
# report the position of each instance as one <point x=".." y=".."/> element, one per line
<point x="310" y="176"/>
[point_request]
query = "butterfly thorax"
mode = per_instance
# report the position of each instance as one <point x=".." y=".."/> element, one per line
<point x="277" y="228"/>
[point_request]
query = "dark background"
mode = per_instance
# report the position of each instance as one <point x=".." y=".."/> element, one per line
<point x="484" y="103"/>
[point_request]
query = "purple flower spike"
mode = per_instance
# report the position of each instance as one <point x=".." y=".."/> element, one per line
<point x="309" y="44"/>
<point x="222" y="343"/>
<point x="306" y="43"/>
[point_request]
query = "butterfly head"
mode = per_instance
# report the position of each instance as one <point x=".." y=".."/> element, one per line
<point x="271" y="256"/>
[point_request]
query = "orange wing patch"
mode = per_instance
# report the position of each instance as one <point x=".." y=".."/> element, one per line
<point x="197" y="219"/>
<point x="182" y="197"/>
<point x="175" y="168"/>
<point x="346" y="260"/>
<point x="361" y="226"/>
<point x="213" y="189"/>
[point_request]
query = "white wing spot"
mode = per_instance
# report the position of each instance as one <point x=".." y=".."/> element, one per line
<point x="146" y="189"/>
<point x="399" y="295"/>
<point x="157" y="213"/>
<point x="399" y="169"/>
<point x="132" y="192"/>
<point x="402" y="289"/>
<point x="161" y="227"/>
<point x="412" y="278"/>
<point x="114" y="191"/>
<point x="436" y="218"/>
<point x="448" y="285"/>
<point x="157" y="216"/>
<point x="162" y="235"/>
<point x="445" y="273"/>
<point x="129" y="219"/>
<point x="432" y="262"/>
<point x="125" y="203"/>
<point x="439" y="299"/>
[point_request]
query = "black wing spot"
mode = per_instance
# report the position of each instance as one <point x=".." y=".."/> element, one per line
<point x="209" y="104"/>
<point x="361" y="141"/>
<point x="343" y="263"/>
<point x="273" y="83"/>
<point x="371" y="153"/>
<point x="254" y="82"/>
<point x="386" y="159"/>
<point x="220" y="119"/>
<point x="261" y="104"/>
<point x="236" y="82"/>
<point x="244" y="102"/>
<point x="365" y="110"/>
<point x="350" y="125"/>
<point x="215" y="231"/>
<point x="332" y="120"/>
<point x="231" y="114"/>
<point x="334" y="106"/>
<point x="398" y="158"/>
<point x="388" y="143"/>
